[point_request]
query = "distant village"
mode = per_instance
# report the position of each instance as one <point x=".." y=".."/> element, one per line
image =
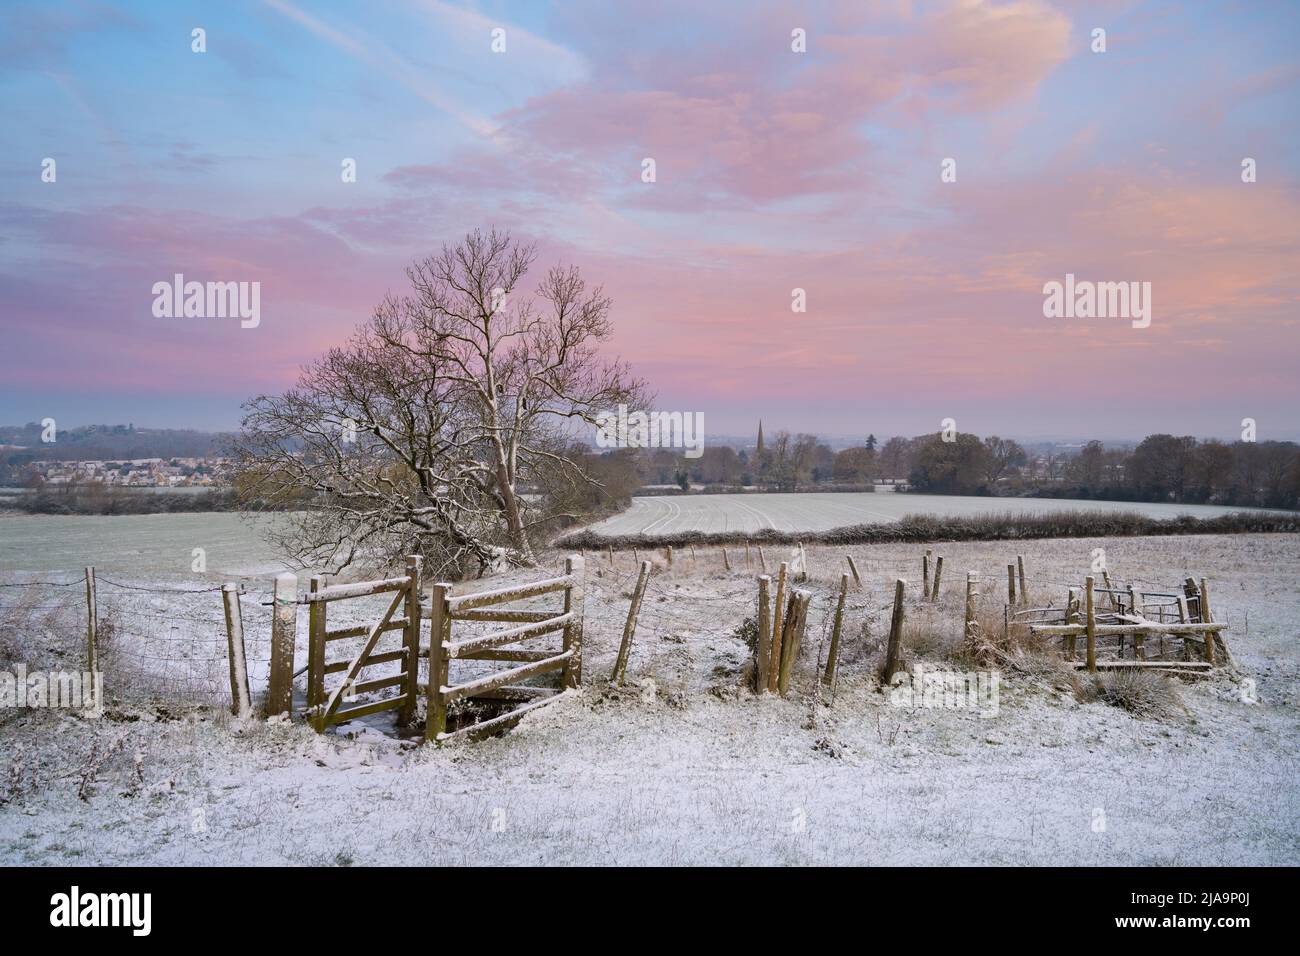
<point x="132" y="473"/>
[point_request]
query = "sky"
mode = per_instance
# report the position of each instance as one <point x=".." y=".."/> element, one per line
<point x="775" y="170"/>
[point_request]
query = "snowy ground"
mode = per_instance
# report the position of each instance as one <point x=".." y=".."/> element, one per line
<point x="684" y="767"/>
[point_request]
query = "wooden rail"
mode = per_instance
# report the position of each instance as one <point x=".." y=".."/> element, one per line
<point x="503" y="686"/>
<point x="324" y="709"/>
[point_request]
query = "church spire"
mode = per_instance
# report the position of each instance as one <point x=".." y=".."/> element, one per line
<point x="759" y="449"/>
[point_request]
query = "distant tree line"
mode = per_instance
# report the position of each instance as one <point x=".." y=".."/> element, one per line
<point x="1160" y="468"/>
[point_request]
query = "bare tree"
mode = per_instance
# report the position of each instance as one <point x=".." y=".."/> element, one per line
<point x="446" y="407"/>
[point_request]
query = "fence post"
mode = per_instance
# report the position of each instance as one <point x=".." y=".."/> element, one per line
<point x="925" y="575"/>
<point x="284" y="637"/>
<point x="572" y="674"/>
<point x="629" y="629"/>
<point x="668" y="554"/>
<point x="1206" y="619"/>
<point x="1024" y="593"/>
<point x="240" y="699"/>
<point x="726" y="561"/>
<point x="1139" y="649"/>
<point x="938" y="576"/>
<point x="853" y="566"/>
<point x="1072" y="617"/>
<point x="778" y="629"/>
<point x="762" y="561"/>
<point x="833" y="655"/>
<point x="610" y="548"/>
<point x="972" y="592"/>
<point x="439" y="630"/>
<point x="317" y="616"/>
<point x="411" y="638"/>
<point x="803" y="563"/>
<point x="763" y="648"/>
<point x="892" y="650"/>
<point x="796" y="616"/>
<point x="92" y="619"/>
<point x="746" y="552"/>
<point x="1011" y="584"/>
<point x="1090" y="622"/>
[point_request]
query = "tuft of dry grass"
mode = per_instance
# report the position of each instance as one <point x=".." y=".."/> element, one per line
<point x="1139" y="692"/>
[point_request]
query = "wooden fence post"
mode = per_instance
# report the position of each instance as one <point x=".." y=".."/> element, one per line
<point x="317" y="617"/>
<point x="796" y="618"/>
<point x="629" y="628"/>
<point x="1105" y="577"/>
<point x="938" y="576"/>
<point x="668" y="553"/>
<point x="284" y="640"/>
<point x="1024" y="592"/>
<point x="778" y="625"/>
<point x="833" y="655"/>
<point x="762" y="561"/>
<point x="746" y="552"/>
<point x="853" y="567"/>
<point x="1206" y="619"/>
<point x="573" y="600"/>
<point x="972" y="592"/>
<point x="803" y="563"/>
<point x="240" y="700"/>
<point x="1090" y="622"/>
<point x="925" y="575"/>
<point x="1072" y="617"/>
<point x="92" y="620"/>
<point x="1139" y="638"/>
<point x="439" y="632"/>
<point x="894" y="648"/>
<point x="610" y="548"/>
<point x="411" y="638"/>
<point x="726" y="562"/>
<point x="1011" y="584"/>
<point x="763" y="647"/>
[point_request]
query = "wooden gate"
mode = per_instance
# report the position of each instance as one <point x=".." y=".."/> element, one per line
<point x="503" y="686"/>
<point x="325" y="711"/>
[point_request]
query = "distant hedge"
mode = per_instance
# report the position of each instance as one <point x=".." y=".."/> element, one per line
<point x="984" y="527"/>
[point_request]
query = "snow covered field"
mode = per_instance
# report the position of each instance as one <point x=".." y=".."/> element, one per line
<point x="814" y="512"/>
<point x="683" y="766"/>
